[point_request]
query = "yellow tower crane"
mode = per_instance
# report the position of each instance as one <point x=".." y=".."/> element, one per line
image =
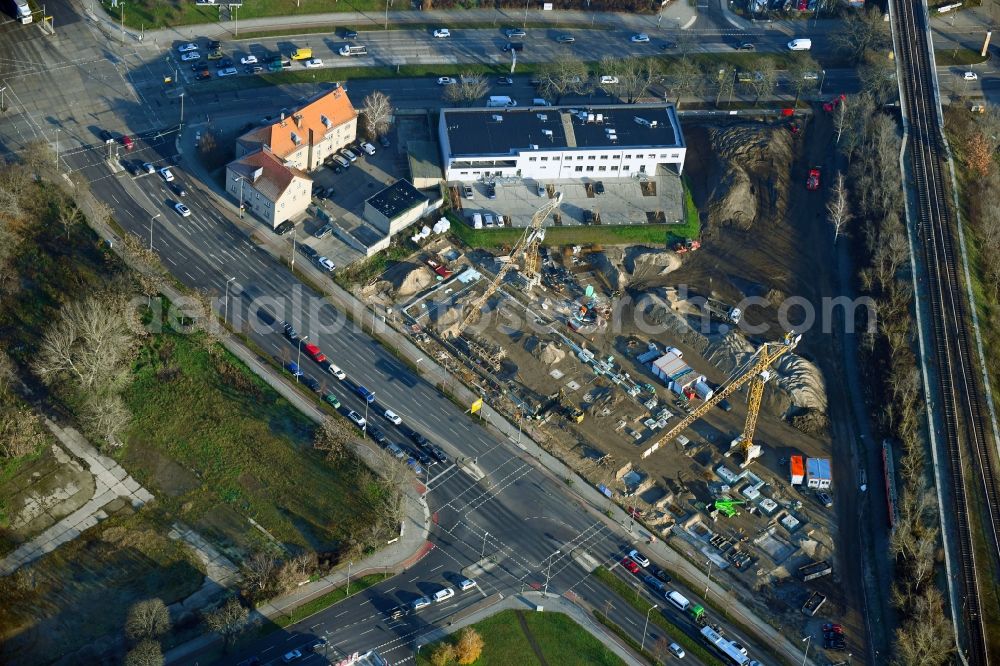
<point x="758" y="374"/>
<point x="528" y="244"/>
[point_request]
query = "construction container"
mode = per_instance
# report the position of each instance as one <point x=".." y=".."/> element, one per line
<point x="815" y="570"/>
<point x="798" y="470"/>
<point x="702" y="389"/>
<point x="818" y="473"/>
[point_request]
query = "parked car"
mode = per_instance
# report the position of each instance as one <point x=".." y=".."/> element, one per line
<point x="367" y="147"/>
<point x="323" y="231"/>
<point x="311" y="383"/>
<point x="393" y="417"/>
<point x="421" y="602"/>
<point x="491" y="191"/>
<point x="284" y="228"/>
<point x="314" y="62"/>
<point x="167" y="174"/>
<point x="661" y="574"/>
<point x="228" y="71"/>
<point x="214" y="45"/>
<point x="467" y="191"/>
<point x="182" y="209"/>
<point x="442" y="32"/>
<point x="187" y="48"/>
<point x="466" y="584"/>
<point x="443" y="595"/>
<point x="325" y="264"/>
<point x="203" y="75"/>
<point x="630" y="565"/>
<point x="188" y="57"/>
<point x="812" y="181"/>
<point x="253" y="69"/>
<point x="384" y="141"/>
<point x="332" y="399"/>
<point x="599" y="187"/>
<point x="293" y="368"/>
<point x="505" y="81"/>
<point x="609" y="80"/>
<point x="314" y="352"/>
<point x="514" y="32"/>
<point x="308" y="250"/>
<point x="565" y="38"/>
<point x="224" y="63"/>
<point x="824" y="499"/>
<point x="342" y="161"/>
<point x="248" y="60"/>
<point x="349" y="154"/>
<point x="446" y="81"/>
<point x="348" y="33"/>
<point x="148" y="167"/>
<point x="639" y="38"/>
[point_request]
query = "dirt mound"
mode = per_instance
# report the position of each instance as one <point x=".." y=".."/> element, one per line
<point x="609" y="263"/>
<point x="803" y="381"/>
<point x="658" y="313"/>
<point x="412" y="278"/>
<point x="550" y="353"/>
<point x="750" y="176"/>
<point x="729" y="352"/>
<point x="645" y="264"/>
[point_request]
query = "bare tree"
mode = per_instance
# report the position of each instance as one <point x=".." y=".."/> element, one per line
<point x="259" y="575"/>
<point x="146" y="653"/>
<point x="105" y="416"/>
<point x="803" y="74"/>
<point x="69" y="217"/>
<point x="333" y="437"/>
<point x="377" y="110"/>
<point x="765" y="78"/>
<point x="633" y="76"/>
<point x="840" y="118"/>
<point x="147" y="619"/>
<point x="229" y="620"/>
<point x="8" y="374"/>
<point x="861" y="32"/>
<point x="878" y="77"/>
<point x="93" y="341"/>
<point x="561" y="77"/>
<point x="468" y="88"/>
<point x="725" y="79"/>
<point x="685" y="77"/>
<point x="837" y="208"/>
<point x="15" y="180"/>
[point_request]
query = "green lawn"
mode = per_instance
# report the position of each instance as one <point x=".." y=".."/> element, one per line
<point x="960" y="56"/>
<point x="638" y="234"/>
<point x="168" y="13"/>
<point x="560" y="640"/>
<point x="225" y="447"/>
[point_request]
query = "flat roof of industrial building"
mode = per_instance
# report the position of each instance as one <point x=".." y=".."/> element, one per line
<point x="396" y="199"/>
<point x="500" y="131"/>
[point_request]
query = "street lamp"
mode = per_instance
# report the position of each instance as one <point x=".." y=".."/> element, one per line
<point x="552" y="557"/>
<point x="298" y="359"/>
<point x="642" y="644"/>
<point x="243" y="180"/>
<point x="225" y="307"/>
<point x="3" y="107"/>
<point x="57" y="147"/>
<point x="525" y="26"/>
<point x="709" y="579"/>
<point x="181" y="124"/>
<point x="482" y="555"/>
<point x="807" y="640"/>
<point x="151" y="230"/>
<point x="822" y="78"/>
<point x="293" y="248"/>
<point x="123" y="22"/>
<point x="349" y="564"/>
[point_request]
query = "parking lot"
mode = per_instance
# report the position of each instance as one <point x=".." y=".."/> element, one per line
<point x="623" y="201"/>
<point x="345" y="206"/>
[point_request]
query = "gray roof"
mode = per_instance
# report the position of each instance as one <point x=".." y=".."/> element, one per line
<point x="396" y="199"/>
<point x="473" y="132"/>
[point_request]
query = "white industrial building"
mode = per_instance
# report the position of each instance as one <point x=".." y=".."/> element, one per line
<point x="560" y="142"/>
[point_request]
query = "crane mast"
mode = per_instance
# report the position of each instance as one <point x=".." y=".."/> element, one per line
<point x="527" y="243"/>
<point x="758" y="375"/>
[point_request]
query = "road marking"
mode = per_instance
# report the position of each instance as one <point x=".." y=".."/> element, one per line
<point x="440" y="566"/>
<point x="630" y="621"/>
<point x="318" y="624"/>
<point x="367" y="632"/>
<point x="414" y="578"/>
<point x="346" y="612"/>
<point x="171" y="260"/>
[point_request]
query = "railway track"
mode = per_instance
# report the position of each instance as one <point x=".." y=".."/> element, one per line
<point x="960" y="403"/>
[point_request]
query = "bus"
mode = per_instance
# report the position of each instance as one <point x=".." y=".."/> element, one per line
<point x="727" y="648"/>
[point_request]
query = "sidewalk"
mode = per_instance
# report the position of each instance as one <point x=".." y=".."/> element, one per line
<point x="590" y="499"/>
<point x="412" y="543"/>
<point x="531" y="601"/>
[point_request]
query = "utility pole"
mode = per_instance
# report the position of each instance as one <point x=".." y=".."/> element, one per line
<point x="151" y="230"/>
<point x="482" y="555"/>
<point x="525" y="26"/>
<point x="349" y="565"/>
<point x="123" y="23"/>
<point x="709" y="579"/>
<point x="225" y="307"/>
<point x="3" y="107"/>
<point x="642" y="644"/>
<point x="57" y="147"/>
<point x="293" y="249"/>
<point x="386" y="14"/>
<point x="236" y="21"/>
<point x="807" y="640"/>
<point x="552" y="557"/>
<point x="181" y="125"/>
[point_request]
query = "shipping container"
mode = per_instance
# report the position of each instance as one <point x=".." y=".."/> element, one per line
<point x="798" y="470"/>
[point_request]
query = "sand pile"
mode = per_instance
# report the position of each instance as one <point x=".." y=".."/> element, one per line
<point x="729" y="352"/>
<point x="645" y="264"/>
<point x="551" y="353"/>
<point x="413" y="278"/>
<point x="609" y="263"/>
<point x="803" y="381"/>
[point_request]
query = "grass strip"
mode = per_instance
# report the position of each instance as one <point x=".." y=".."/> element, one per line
<point x="632" y="597"/>
<point x="959" y="56"/>
<point x="324" y="601"/>
<point x="603" y="234"/>
<point x="336" y="30"/>
<point x="620" y="633"/>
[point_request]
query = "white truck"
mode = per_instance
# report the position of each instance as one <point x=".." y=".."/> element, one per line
<point x="22" y="11"/>
<point x="723" y="312"/>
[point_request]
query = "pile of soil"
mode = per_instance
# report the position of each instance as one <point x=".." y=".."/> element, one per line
<point x="748" y="170"/>
<point x="646" y="265"/>
<point x="609" y="263"/>
<point x="550" y="353"/>
<point x="412" y="278"/>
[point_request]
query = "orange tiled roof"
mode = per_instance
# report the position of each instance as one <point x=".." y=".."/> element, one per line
<point x="334" y="106"/>
<point x="275" y="177"/>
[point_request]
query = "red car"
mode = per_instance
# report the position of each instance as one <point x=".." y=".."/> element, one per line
<point x="835" y="628"/>
<point x="314" y="352"/>
<point x="812" y="182"/>
<point x="127" y="142"/>
<point x="630" y="565"/>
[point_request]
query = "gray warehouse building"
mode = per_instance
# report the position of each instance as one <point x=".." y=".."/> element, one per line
<point x="396" y="207"/>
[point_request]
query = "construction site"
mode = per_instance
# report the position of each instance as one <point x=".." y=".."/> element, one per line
<point x="662" y="374"/>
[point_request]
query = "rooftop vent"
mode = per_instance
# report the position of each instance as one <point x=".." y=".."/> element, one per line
<point x="256" y="173"/>
<point x="497" y="118"/>
<point x="547" y="132"/>
<point x="590" y="117"/>
<point x="541" y="116"/>
<point x="600" y="117"/>
<point x="296" y="139"/>
<point x="533" y="146"/>
<point x="643" y="122"/>
<point x="326" y="121"/>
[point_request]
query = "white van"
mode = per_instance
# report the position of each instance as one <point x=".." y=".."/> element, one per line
<point x="477" y="221"/>
<point x="800" y="44"/>
<point x="442" y="595"/>
<point x="336" y="372"/>
<point x="678" y="599"/>
<point x="500" y="101"/>
<point x="348" y="50"/>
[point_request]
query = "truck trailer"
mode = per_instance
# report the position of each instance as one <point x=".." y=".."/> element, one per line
<point x="22" y="12"/>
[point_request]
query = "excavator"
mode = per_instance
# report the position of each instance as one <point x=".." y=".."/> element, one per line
<point x="757" y="375"/>
<point x="727" y="507"/>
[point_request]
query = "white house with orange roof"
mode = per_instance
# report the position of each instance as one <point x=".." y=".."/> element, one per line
<point x="268" y="188"/>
